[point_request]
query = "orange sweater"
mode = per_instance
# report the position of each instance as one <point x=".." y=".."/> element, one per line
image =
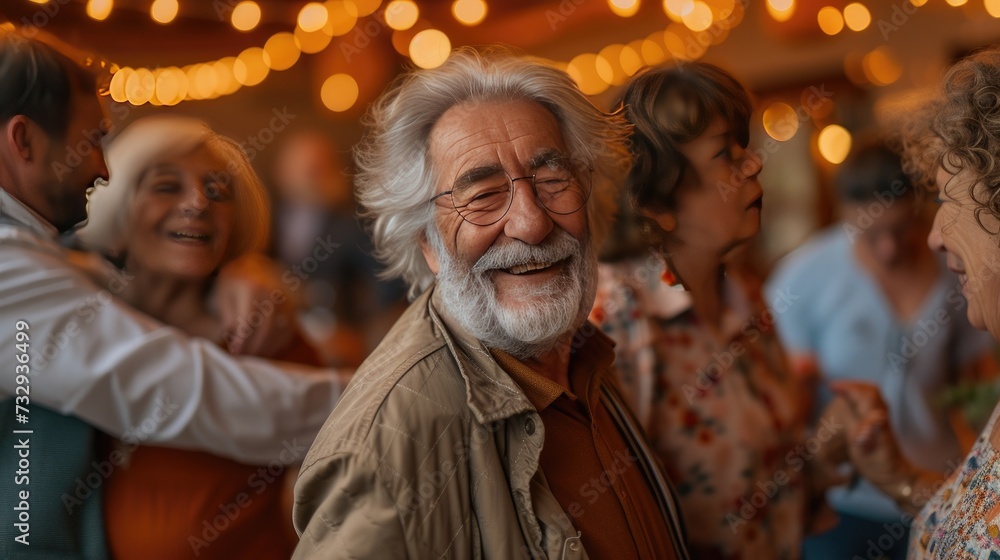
<point x="176" y="504"/>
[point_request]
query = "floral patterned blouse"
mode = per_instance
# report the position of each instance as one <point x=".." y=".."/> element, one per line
<point x="962" y="521"/>
<point x="719" y="408"/>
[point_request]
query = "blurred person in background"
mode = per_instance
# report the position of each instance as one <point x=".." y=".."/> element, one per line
<point x="182" y="202"/>
<point x="93" y="362"/>
<point x="876" y="305"/>
<point x="696" y="353"/>
<point x="318" y="236"/>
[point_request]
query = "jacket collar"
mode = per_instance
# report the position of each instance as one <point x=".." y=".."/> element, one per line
<point x="490" y="393"/>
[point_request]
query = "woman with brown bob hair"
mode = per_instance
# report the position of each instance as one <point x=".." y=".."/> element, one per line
<point x="696" y="349"/>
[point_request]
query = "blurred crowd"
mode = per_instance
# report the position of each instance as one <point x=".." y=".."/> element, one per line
<point x="453" y="339"/>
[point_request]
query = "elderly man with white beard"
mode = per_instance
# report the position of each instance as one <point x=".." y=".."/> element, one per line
<point x="487" y="424"/>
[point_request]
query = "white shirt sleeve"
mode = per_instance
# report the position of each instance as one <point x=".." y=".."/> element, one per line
<point x="92" y="356"/>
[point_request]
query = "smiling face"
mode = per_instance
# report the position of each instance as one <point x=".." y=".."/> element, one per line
<point x="182" y="216"/>
<point x="972" y="251"/>
<point x="719" y="200"/>
<point x="524" y="281"/>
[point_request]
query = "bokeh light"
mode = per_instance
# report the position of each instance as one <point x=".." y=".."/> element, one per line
<point x="250" y="69"/>
<point x="163" y="11"/>
<point x="430" y="48"/>
<point x="856" y="16"/>
<point x="281" y="51"/>
<point x="245" y="16"/>
<point x="339" y="92"/>
<point x="469" y="12"/>
<point x="401" y="14"/>
<point x="583" y="70"/>
<point x="830" y="20"/>
<point x="834" y="143"/>
<point x="99" y="9"/>
<point x="624" y="8"/>
<point x="781" y="10"/>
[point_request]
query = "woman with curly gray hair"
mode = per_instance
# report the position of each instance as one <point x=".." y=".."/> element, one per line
<point x="957" y="147"/>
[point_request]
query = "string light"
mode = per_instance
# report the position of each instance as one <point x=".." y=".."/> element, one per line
<point x="430" y="48"/>
<point x="469" y="12"/>
<point x="366" y="7"/>
<point x="624" y="8"/>
<point x="781" y="10"/>
<point x="699" y="18"/>
<point x="856" y="16"/>
<point x="281" y="51"/>
<point x="342" y="17"/>
<point x="245" y="16"/>
<point x="312" y="17"/>
<point x="993" y="7"/>
<point x="339" y="92"/>
<point x="317" y="23"/>
<point x="401" y="14"/>
<point x="163" y="11"/>
<point x="99" y="9"/>
<point x="830" y="20"/>
<point x="250" y="68"/>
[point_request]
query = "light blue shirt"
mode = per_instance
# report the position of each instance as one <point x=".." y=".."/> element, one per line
<point x="842" y="318"/>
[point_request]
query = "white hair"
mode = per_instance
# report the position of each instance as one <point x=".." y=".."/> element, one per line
<point x="395" y="175"/>
<point x="151" y="140"/>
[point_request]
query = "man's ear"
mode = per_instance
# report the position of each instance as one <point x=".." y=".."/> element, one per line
<point x="19" y="136"/>
<point x="429" y="254"/>
<point x="666" y="219"/>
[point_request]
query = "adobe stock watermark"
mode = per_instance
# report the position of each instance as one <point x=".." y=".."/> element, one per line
<point x="293" y="278"/>
<point x="751" y="331"/>
<point x="866" y="215"/>
<point x="257" y="483"/>
<point x="86" y="313"/>
<point x="901" y="14"/>
<point x="698" y="43"/>
<point x="795" y="461"/>
<point x="815" y="97"/>
<point x="562" y="12"/>
<point x="133" y="437"/>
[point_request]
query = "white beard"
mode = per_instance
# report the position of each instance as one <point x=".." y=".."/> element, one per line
<point x="546" y="313"/>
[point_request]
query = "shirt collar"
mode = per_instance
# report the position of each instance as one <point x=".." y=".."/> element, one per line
<point x="587" y="361"/>
<point x="14" y="212"/>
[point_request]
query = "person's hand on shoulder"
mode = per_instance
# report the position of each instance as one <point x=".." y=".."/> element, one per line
<point x="254" y="307"/>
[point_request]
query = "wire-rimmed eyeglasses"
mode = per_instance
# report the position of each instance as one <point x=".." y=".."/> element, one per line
<point x="562" y="185"/>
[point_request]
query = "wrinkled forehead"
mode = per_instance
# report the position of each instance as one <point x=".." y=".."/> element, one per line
<point x="492" y="133"/>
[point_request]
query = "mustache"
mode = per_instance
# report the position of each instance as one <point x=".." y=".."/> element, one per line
<point x="560" y="247"/>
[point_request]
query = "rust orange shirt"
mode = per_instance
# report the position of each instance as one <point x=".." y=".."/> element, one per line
<point x="589" y="466"/>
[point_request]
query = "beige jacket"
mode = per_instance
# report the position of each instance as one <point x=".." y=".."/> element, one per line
<point x="433" y="452"/>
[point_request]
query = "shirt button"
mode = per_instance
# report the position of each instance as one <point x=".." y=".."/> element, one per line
<point x="529" y="427"/>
